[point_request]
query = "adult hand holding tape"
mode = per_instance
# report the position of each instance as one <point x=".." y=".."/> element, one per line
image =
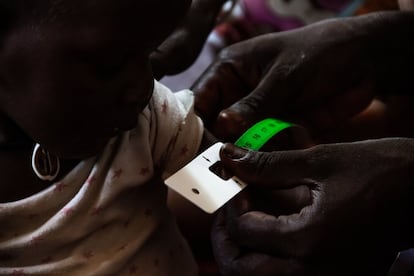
<point x="205" y="183"/>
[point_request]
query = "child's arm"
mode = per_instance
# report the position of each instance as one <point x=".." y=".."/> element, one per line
<point x="194" y="223"/>
<point x="208" y="140"/>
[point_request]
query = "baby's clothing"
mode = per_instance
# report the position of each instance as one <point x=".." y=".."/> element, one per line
<point x="109" y="214"/>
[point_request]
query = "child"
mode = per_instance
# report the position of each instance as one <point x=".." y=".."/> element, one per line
<point x="76" y="82"/>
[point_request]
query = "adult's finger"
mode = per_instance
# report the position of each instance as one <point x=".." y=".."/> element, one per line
<point x="271" y="170"/>
<point x="276" y="235"/>
<point x="233" y="260"/>
<point x="173" y="55"/>
<point x="225" y="249"/>
<point x="272" y="96"/>
<point x="183" y="46"/>
<point x="217" y="88"/>
<point x="339" y="108"/>
<point x="275" y="202"/>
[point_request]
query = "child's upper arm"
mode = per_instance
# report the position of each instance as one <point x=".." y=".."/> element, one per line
<point x="176" y="131"/>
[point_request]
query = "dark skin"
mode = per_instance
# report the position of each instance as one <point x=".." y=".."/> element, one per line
<point x="183" y="46"/>
<point x="333" y="209"/>
<point x="94" y="60"/>
<point x="326" y="217"/>
<point x="320" y="86"/>
<point x="102" y="59"/>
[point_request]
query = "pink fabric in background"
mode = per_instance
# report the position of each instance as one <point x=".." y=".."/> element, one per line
<point x="257" y="11"/>
<point x="333" y="5"/>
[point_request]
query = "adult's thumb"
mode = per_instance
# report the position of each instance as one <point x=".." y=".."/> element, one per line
<point x="272" y="170"/>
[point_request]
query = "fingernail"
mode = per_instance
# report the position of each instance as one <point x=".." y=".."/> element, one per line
<point x="232" y="152"/>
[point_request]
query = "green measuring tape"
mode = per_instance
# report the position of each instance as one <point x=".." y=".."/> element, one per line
<point x="260" y="133"/>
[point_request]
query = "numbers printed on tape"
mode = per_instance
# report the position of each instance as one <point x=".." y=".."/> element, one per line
<point x="258" y="135"/>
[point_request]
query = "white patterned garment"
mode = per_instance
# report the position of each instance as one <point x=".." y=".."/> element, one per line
<point x="109" y="214"/>
<point x="406" y="5"/>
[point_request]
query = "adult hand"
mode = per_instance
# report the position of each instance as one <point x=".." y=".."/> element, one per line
<point x="320" y="75"/>
<point x="335" y="209"/>
<point x="183" y="46"/>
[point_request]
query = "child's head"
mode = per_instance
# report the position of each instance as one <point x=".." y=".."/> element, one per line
<point x="74" y="71"/>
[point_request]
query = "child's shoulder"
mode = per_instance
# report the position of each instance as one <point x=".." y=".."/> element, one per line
<point x="164" y="99"/>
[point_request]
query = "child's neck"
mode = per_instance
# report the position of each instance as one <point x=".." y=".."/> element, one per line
<point x="11" y="136"/>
